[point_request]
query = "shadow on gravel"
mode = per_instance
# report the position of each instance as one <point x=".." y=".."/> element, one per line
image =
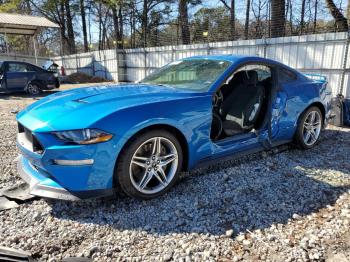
<point x="19" y="95"/>
<point x="250" y="194"/>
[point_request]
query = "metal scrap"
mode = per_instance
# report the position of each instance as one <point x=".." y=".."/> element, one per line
<point x="7" y="204"/>
<point x="18" y="192"/>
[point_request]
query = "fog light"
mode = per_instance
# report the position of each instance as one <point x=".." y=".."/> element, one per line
<point x="64" y="162"/>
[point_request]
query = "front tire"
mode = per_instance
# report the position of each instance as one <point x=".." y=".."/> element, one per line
<point x="150" y="164"/>
<point x="309" y="128"/>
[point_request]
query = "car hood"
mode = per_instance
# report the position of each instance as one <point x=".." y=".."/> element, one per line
<point x="47" y="64"/>
<point x="81" y="107"/>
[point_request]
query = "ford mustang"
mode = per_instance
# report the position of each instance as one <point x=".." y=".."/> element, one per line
<point x="137" y="138"/>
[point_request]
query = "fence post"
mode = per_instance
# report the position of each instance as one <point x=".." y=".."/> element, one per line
<point x="265" y="47"/>
<point x="93" y="63"/>
<point x="105" y="64"/>
<point x="76" y="62"/>
<point x="172" y="53"/>
<point x="118" y="64"/>
<point x="62" y="59"/>
<point x="121" y="64"/>
<point x="145" y="61"/>
<point x="345" y="61"/>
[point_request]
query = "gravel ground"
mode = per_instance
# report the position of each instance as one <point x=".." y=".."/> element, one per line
<point x="290" y="206"/>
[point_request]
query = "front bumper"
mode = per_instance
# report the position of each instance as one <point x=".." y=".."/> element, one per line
<point x="43" y="186"/>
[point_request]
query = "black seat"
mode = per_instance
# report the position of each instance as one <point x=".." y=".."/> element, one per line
<point x="241" y="108"/>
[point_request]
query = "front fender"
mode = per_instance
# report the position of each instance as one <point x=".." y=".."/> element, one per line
<point x="191" y="117"/>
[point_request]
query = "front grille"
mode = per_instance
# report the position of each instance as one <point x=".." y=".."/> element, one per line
<point x="31" y="141"/>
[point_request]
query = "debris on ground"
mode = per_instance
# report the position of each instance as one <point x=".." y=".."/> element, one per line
<point x="18" y="192"/>
<point x="11" y="254"/>
<point x="81" y="78"/>
<point x="7" y="204"/>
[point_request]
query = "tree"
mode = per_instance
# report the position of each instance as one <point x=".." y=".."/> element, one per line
<point x="259" y="24"/>
<point x="246" y="25"/>
<point x="69" y="24"/>
<point x="118" y="25"/>
<point x="149" y="18"/>
<point x="55" y="11"/>
<point x="340" y="20"/>
<point x="183" y="21"/>
<point x="83" y="21"/>
<point x="277" y="18"/>
<point x="302" y="16"/>
<point x="315" y="16"/>
<point x="231" y="8"/>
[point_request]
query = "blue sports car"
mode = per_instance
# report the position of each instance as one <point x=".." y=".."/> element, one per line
<point x="90" y="142"/>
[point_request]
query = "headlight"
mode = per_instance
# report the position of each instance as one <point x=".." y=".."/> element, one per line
<point x="83" y="136"/>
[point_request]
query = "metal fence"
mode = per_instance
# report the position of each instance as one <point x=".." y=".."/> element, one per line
<point x="325" y="54"/>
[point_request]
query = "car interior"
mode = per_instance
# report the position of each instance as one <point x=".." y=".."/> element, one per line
<point x="240" y="104"/>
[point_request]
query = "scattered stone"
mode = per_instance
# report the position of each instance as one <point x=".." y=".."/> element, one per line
<point x="296" y="216"/>
<point x="240" y="237"/>
<point x="229" y="233"/>
<point x="257" y="201"/>
<point x="246" y="243"/>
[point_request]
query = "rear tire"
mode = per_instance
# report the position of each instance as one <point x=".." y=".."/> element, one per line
<point x="33" y="89"/>
<point x="309" y="128"/>
<point x="149" y="165"/>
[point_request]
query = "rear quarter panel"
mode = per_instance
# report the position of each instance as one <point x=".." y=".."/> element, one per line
<point x="300" y="95"/>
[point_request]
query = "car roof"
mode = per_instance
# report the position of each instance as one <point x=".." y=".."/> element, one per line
<point x="16" y="61"/>
<point x="237" y="59"/>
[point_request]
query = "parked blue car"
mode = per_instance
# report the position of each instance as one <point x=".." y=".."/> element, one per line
<point x="16" y="76"/>
<point x="88" y="142"/>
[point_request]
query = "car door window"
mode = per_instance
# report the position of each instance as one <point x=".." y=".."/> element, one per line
<point x="16" y="67"/>
<point x="32" y="68"/>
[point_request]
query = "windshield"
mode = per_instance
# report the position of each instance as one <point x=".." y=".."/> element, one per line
<point x="196" y="74"/>
<point x="1" y="69"/>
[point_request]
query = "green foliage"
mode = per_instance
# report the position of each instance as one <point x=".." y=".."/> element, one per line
<point x="10" y="6"/>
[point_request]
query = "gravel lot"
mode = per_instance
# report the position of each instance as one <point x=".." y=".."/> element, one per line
<point x="290" y="206"/>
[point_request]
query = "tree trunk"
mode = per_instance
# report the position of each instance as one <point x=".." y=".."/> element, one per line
<point x="233" y="20"/>
<point x="302" y="17"/>
<point x="117" y="25"/>
<point x="347" y="12"/>
<point x="246" y="25"/>
<point x="277" y="18"/>
<point x="340" y="20"/>
<point x="83" y="21"/>
<point x="63" y="28"/>
<point x="99" y="27"/>
<point x="144" y="22"/>
<point x="70" y="31"/>
<point x="315" y="17"/>
<point x="183" y="20"/>
<point x="121" y="28"/>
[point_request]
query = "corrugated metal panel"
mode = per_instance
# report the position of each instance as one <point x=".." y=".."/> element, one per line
<point x="317" y="54"/>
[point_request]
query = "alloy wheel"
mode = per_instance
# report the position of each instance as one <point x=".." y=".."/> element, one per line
<point x="312" y="128"/>
<point x="33" y="89"/>
<point x="153" y="165"/>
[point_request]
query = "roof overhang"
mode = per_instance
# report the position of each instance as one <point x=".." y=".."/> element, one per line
<point x="23" y="24"/>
